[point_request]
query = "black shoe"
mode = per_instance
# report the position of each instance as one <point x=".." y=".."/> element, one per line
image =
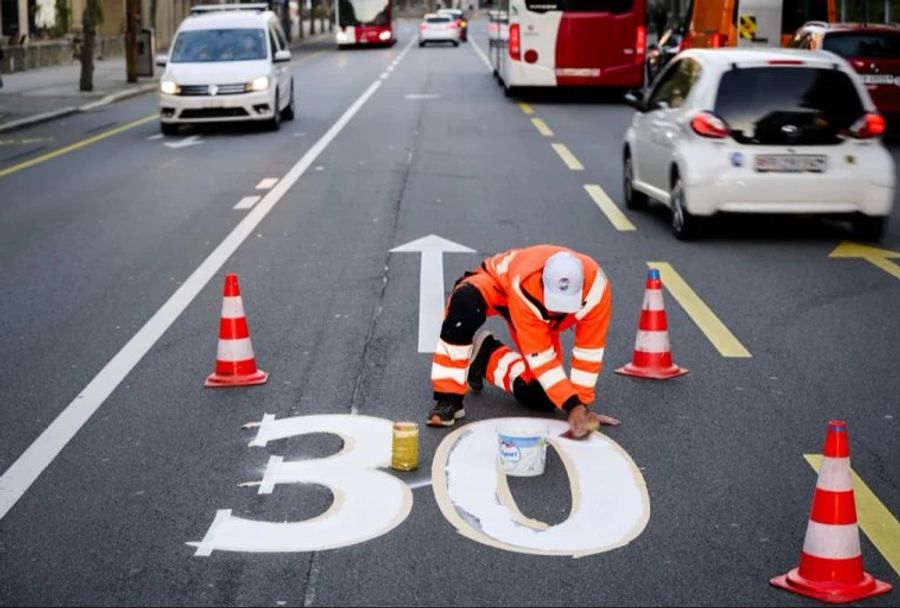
<point x="445" y="413"/>
<point x="482" y="349"/>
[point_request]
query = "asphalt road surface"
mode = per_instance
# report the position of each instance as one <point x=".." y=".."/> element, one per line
<point x="112" y="257"/>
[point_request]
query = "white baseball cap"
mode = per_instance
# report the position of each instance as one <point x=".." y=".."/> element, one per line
<point x="563" y="282"/>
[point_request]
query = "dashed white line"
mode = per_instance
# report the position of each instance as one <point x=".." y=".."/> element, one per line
<point x="267" y="183"/>
<point x="247" y="202"/>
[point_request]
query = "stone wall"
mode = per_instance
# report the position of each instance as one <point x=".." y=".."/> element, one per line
<point x="43" y="54"/>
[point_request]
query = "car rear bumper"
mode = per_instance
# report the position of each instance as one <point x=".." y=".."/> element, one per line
<point x="224" y="108"/>
<point x="439" y="36"/>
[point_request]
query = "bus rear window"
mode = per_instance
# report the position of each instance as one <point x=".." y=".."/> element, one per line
<point x="787" y="106"/>
<point x="581" y="6"/>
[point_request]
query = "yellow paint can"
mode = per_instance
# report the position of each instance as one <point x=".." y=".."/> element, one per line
<point x="405" y="446"/>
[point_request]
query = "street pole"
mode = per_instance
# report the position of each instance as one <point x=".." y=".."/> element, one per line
<point x="131" y="40"/>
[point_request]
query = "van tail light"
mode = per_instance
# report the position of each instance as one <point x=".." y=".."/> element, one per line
<point x="707" y="124"/>
<point x="640" y="44"/>
<point x="515" y="42"/>
<point x="870" y="125"/>
<point x="719" y="40"/>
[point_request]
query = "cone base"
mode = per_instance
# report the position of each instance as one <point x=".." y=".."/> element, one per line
<point x="221" y="381"/>
<point x="832" y="593"/>
<point x="654" y="373"/>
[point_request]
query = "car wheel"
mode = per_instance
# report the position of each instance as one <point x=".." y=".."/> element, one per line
<point x="868" y="228"/>
<point x="274" y="123"/>
<point x="288" y="112"/>
<point x="455" y="43"/>
<point x="684" y="225"/>
<point x="633" y="198"/>
<point x="168" y="128"/>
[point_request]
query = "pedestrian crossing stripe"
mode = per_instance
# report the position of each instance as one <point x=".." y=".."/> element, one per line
<point x="748" y="27"/>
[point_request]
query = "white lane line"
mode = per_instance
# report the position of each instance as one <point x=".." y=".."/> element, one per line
<point x="267" y="183"/>
<point x="481" y="54"/>
<point x="28" y="467"/>
<point x="247" y="202"/>
<point x="384" y="75"/>
<point x="421" y="96"/>
<point x="155" y="137"/>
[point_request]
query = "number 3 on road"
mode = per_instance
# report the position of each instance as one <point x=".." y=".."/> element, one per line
<point x="610" y="505"/>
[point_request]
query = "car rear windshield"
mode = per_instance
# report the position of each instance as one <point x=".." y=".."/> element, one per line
<point x="198" y="46"/>
<point x="874" y="45"/>
<point x="787" y="105"/>
<point x="581" y="6"/>
<point x="439" y="20"/>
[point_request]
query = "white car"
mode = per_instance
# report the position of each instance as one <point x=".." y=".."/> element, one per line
<point x="758" y="131"/>
<point x="438" y="28"/>
<point x="227" y="63"/>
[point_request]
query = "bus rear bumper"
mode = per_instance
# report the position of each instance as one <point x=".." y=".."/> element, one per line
<point x="523" y="74"/>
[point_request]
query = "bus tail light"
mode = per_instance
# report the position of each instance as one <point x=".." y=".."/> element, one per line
<point x="870" y="125"/>
<point x="515" y="42"/>
<point x="707" y="124"/>
<point x="640" y="44"/>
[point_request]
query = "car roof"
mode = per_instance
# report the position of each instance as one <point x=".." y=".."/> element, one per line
<point x="724" y="57"/>
<point x="851" y="27"/>
<point x="226" y="19"/>
<point x="435" y="16"/>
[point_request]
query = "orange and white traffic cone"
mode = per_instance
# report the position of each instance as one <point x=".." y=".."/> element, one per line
<point x="652" y="354"/>
<point x="235" y="362"/>
<point x="831" y="565"/>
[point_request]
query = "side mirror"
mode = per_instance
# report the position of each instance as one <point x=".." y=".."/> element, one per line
<point x="162" y="60"/>
<point x="635" y="99"/>
<point x="282" y="56"/>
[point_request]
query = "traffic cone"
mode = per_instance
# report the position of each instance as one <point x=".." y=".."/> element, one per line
<point x="831" y="565"/>
<point x="235" y="363"/>
<point x="652" y="354"/>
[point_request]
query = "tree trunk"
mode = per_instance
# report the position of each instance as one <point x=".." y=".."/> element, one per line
<point x="89" y="17"/>
<point x="153" y="15"/>
<point x="312" y="18"/>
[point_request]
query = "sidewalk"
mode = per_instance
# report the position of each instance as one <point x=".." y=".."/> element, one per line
<point x="35" y="96"/>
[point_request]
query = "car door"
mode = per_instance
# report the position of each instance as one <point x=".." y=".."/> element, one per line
<point x="282" y="76"/>
<point x="666" y="105"/>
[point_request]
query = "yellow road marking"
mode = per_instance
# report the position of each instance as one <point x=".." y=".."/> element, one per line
<point x="526" y="108"/>
<point x="609" y="208"/>
<point x="700" y="313"/>
<point x="875" y="520"/>
<point x="76" y="145"/>
<point x="873" y="255"/>
<point x="542" y="127"/>
<point x="567" y="157"/>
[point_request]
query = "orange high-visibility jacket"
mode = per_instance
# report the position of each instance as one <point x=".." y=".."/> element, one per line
<point x="511" y="283"/>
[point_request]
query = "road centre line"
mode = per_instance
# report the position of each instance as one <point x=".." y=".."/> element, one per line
<point x="567" y="157"/>
<point x="542" y="127"/>
<point x="481" y="54"/>
<point x="266" y="183"/>
<point x="526" y="108"/>
<point x="247" y="202"/>
<point x="19" y="477"/>
<point x="77" y="145"/>
<point x="875" y="520"/>
<point x="609" y="208"/>
<point x="714" y="330"/>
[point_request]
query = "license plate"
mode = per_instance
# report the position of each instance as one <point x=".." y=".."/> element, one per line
<point x="878" y="79"/>
<point x="790" y="163"/>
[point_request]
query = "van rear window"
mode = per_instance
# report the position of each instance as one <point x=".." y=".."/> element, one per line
<point x="581" y="6"/>
<point x="787" y="105"/>
<point x="873" y="45"/>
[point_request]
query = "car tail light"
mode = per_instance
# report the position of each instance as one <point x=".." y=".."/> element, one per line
<point x="515" y="42"/>
<point x="687" y="42"/>
<point x="531" y="56"/>
<point x="785" y="62"/>
<point x="640" y="43"/>
<point x="707" y="124"/>
<point x="422" y="26"/>
<point x="870" y="125"/>
<point x="719" y="40"/>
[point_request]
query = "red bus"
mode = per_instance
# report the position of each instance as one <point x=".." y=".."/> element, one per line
<point x="364" y="22"/>
<point x="549" y="43"/>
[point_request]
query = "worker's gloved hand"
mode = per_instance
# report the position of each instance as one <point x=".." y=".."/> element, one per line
<point x="582" y="421"/>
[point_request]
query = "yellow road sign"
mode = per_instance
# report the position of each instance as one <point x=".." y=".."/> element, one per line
<point x="747" y="27"/>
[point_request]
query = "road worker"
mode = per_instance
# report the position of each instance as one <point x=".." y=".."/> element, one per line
<point x="540" y="291"/>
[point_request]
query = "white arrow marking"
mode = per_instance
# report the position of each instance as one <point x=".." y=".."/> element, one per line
<point x="187" y="142"/>
<point x="431" y="284"/>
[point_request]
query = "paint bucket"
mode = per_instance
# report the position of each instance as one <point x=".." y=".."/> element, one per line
<point x="522" y="448"/>
<point x="405" y="446"/>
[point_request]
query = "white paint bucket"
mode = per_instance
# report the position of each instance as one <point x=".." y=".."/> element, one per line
<point x="522" y="448"/>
